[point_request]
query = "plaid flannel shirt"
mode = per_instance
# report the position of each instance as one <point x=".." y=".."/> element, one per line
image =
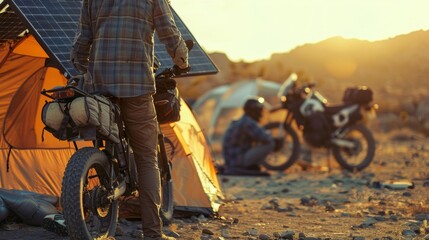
<point x="240" y="136"/>
<point x="114" y="44"/>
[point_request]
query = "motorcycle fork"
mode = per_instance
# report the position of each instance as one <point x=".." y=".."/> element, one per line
<point x="288" y="120"/>
<point x="162" y="158"/>
<point x="117" y="179"/>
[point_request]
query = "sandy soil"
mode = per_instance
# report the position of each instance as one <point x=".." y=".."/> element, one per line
<point x="311" y="204"/>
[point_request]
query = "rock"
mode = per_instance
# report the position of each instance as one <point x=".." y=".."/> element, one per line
<point x="406" y="194"/>
<point x="225" y="233"/>
<point x="309" y="201"/>
<point x="380" y="218"/>
<point x="369" y="222"/>
<point x="252" y="232"/>
<point x="329" y="208"/>
<point x="207" y="231"/>
<point x="287" y="235"/>
<point x="422" y="216"/>
<point x="264" y="237"/>
<point x="274" y="202"/>
<point x="284" y="209"/>
<point x="205" y="237"/>
<point x="408" y="233"/>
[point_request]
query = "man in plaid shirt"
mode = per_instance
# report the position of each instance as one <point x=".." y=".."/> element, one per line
<point x="114" y="47"/>
<point x="246" y="144"/>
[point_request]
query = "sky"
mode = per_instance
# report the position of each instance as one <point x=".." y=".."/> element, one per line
<point x="251" y="30"/>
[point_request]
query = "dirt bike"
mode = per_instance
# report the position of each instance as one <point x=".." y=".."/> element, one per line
<point x="97" y="177"/>
<point x="340" y="129"/>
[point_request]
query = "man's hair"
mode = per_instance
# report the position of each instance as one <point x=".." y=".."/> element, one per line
<point x="253" y="107"/>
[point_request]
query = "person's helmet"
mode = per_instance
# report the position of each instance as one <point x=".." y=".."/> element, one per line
<point x="253" y="107"/>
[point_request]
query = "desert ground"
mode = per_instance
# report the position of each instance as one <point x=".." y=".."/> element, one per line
<point x="388" y="200"/>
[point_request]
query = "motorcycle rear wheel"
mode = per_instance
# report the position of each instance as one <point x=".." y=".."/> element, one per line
<point x="88" y="213"/>
<point x="359" y="157"/>
<point x="288" y="154"/>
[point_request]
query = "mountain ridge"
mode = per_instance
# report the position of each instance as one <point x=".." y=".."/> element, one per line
<point x="388" y="66"/>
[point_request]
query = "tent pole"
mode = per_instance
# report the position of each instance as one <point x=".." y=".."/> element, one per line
<point x="8" y="158"/>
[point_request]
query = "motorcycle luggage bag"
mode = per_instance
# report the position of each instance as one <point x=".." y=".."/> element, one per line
<point x="316" y="129"/>
<point x="56" y="120"/>
<point x="96" y="111"/>
<point x="167" y="101"/>
<point x="358" y="95"/>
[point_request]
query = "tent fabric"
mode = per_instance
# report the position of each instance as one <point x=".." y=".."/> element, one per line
<point x="192" y="156"/>
<point x="232" y="97"/>
<point x="221" y="105"/>
<point x="36" y="170"/>
<point x="27" y="163"/>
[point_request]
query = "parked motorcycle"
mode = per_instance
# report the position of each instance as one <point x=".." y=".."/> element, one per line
<point x="98" y="176"/>
<point x="341" y="128"/>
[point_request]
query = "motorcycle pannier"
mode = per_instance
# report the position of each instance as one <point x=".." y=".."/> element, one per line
<point x="97" y="111"/>
<point x="56" y="120"/>
<point x="316" y="129"/>
<point x="67" y="120"/>
<point x="358" y="95"/>
<point x="167" y="101"/>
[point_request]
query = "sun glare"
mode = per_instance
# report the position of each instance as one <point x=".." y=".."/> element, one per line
<point x="254" y="29"/>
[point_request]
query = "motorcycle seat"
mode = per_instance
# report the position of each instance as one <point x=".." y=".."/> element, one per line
<point x="330" y="110"/>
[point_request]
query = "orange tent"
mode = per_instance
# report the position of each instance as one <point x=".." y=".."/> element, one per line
<point x="28" y="163"/>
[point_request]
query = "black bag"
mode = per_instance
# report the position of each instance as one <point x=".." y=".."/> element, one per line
<point x="167" y="101"/>
<point x="316" y="129"/>
<point x="358" y="95"/>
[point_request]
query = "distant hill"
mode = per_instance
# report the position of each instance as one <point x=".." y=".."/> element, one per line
<point x="397" y="69"/>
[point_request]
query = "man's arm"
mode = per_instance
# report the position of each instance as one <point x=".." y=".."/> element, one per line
<point x="258" y="133"/>
<point x="169" y="34"/>
<point x="83" y="40"/>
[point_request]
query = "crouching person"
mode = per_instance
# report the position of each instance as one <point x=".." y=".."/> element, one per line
<point x="246" y="144"/>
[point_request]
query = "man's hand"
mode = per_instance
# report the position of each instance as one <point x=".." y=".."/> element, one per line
<point x="181" y="56"/>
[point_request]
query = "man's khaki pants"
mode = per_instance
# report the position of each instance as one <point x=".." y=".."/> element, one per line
<point x="141" y="127"/>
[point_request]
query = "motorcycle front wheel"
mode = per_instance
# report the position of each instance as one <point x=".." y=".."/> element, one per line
<point x="359" y="156"/>
<point x="87" y="211"/>
<point x="285" y="157"/>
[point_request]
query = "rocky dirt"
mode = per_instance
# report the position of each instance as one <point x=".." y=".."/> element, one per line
<point x="316" y="203"/>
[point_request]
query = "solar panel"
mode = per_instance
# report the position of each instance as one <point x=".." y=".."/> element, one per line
<point x="11" y="26"/>
<point x="54" y="23"/>
<point x="198" y="59"/>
